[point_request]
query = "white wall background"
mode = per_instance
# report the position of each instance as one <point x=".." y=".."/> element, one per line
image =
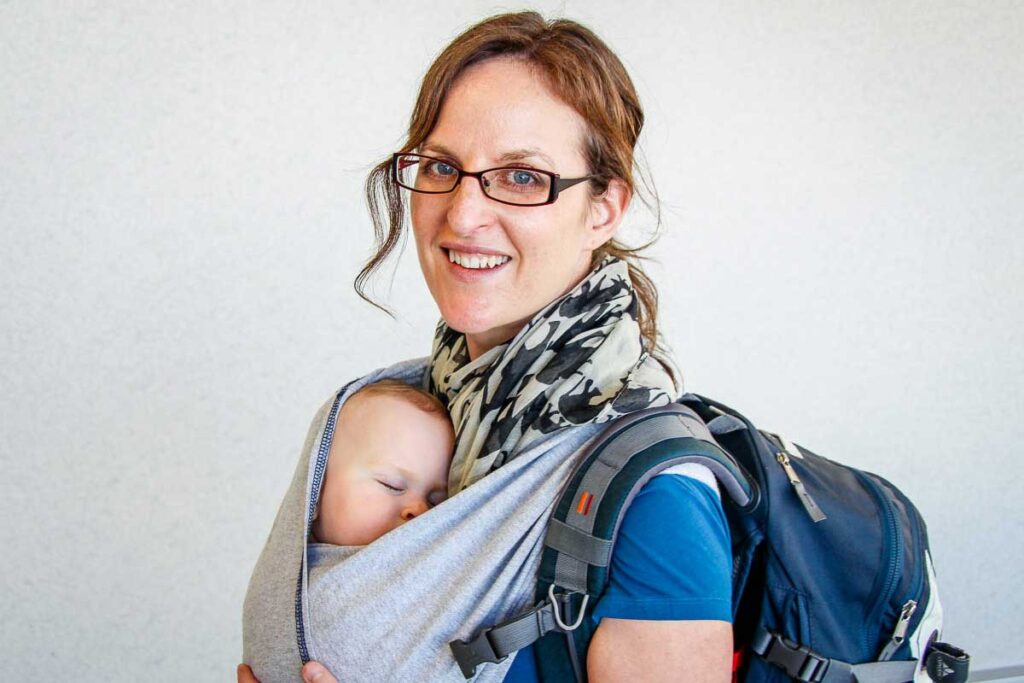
<point x="181" y="217"/>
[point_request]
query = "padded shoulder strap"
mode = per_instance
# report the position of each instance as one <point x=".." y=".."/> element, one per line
<point x="582" y="530"/>
<point x="586" y="521"/>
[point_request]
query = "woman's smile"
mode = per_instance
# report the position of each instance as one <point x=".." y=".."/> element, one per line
<point x="474" y="265"/>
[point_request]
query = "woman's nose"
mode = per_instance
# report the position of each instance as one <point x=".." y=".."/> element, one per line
<point x="470" y="209"/>
<point x="414" y="509"/>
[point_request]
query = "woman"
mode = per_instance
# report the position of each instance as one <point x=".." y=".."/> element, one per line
<point x="518" y="170"/>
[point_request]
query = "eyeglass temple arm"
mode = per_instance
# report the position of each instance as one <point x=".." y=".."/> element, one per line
<point x="566" y="183"/>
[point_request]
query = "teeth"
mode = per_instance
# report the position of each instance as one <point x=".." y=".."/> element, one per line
<point x="476" y="261"/>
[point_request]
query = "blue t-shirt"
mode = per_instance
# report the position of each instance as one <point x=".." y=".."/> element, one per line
<point x="672" y="561"/>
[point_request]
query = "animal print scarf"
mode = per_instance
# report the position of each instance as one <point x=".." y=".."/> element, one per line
<point x="579" y="360"/>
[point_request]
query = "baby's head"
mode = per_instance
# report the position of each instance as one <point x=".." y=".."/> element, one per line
<point x="388" y="463"/>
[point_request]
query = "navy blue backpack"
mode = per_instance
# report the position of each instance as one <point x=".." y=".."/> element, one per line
<point x="832" y="577"/>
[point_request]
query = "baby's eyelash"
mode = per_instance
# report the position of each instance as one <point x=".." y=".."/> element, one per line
<point x="386" y="485"/>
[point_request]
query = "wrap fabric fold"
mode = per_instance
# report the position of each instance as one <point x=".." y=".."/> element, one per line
<point x="387" y="611"/>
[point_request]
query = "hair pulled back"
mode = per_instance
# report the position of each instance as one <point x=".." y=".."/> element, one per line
<point x="583" y="72"/>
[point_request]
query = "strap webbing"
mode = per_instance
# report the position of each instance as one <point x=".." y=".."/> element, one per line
<point x="523" y="630"/>
<point x="882" y="672"/>
<point x="803" y="664"/>
<point x="495" y="643"/>
<point x="578" y="544"/>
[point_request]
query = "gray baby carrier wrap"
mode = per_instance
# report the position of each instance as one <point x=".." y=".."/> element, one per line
<point x="388" y="610"/>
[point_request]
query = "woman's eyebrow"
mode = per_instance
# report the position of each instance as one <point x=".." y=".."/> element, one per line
<point x="512" y="155"/>
<point x="525" y="153"/>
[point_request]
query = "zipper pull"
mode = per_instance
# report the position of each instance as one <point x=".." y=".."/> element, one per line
<point x="899" y="633"/>
<point x="801" y="491"/>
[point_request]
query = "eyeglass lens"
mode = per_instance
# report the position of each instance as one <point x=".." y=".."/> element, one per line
<point x="512" y="185"/>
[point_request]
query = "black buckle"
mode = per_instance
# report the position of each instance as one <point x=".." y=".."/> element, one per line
<point x="796" y="660"/>
<point x="471" y="653"/>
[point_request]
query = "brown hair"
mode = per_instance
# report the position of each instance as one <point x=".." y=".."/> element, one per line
<point x="420" y="398"/>
<point x="584" y="73"/>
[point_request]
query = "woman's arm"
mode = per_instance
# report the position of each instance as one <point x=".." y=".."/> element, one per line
<point x="647" y="651"/>
<point x="665" y="614"/>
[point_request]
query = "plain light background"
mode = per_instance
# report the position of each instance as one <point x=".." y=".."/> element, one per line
<point x="842" y="187"/>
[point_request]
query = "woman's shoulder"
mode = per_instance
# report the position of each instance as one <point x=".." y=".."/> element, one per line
<point x="683" y="496"/>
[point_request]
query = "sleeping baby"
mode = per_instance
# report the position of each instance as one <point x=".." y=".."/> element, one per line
<point x="391" y="467"/>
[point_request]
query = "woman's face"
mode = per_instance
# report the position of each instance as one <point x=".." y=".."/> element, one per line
<point x="500" y="113"/>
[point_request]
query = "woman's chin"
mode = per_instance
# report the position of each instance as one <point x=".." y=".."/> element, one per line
<point x="469" y="317"/>
<point x="468" y="322"/>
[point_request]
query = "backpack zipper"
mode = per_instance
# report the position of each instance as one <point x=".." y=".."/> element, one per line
<point x="801" y="491"/>
<point x="894" y="545"/>
<point x="918" y="591"/>
<point x="899" y="633"/>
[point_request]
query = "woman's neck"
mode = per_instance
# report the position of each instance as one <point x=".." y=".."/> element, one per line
<point x="479" y="344"/>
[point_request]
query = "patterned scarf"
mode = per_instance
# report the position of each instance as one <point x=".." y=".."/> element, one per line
<point x="579" y="360"/>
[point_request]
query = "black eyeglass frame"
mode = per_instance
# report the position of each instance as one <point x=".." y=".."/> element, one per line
<point x="558" y="183"/>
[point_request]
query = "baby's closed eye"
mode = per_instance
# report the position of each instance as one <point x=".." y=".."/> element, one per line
<point x="393" y="486"/>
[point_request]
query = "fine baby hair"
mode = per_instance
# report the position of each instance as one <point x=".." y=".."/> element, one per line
<point x="421" y="398"/>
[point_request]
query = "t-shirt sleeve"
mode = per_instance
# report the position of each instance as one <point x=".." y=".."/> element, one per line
<point x="673" y="556"/>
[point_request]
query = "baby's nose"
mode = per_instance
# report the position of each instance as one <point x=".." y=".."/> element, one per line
<point x="414" y="509"/>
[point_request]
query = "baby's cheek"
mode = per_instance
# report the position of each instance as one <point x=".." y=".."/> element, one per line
<point x="370" y="520"/>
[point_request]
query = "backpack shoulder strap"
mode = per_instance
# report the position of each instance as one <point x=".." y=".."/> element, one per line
<point x="587" y="518"/>
<point x="585" y="524"/>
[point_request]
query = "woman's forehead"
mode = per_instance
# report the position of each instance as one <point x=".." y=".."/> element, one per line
<point x="502" y="111"/>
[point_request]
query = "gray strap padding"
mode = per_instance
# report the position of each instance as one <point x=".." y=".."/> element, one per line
<point x="579" y="544"/>
<point x="570" y="572"/>
<point x="660" y="424"/>
<point x="670" y="423"/>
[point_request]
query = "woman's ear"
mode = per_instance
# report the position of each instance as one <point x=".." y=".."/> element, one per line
<point x="607" y="212"/>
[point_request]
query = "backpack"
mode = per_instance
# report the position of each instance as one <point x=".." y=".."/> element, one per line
<point x="797" y="521"/>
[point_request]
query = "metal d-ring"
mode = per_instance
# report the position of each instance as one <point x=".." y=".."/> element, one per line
<point x="558" y="617"/>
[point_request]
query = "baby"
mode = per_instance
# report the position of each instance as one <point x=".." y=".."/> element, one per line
<point x="388" y="463"/>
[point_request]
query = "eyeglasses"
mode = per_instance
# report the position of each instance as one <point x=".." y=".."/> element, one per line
<point x="508" y="184"/>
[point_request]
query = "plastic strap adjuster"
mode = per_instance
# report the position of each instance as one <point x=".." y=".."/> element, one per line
<point x="472" y="653"/>
<point x="494" y="644"/>
<point x="947" y="664"/>
<point x="796" y="660"/>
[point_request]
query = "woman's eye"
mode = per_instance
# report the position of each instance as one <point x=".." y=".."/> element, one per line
<point x="518" y="179"/>
<point x="439" y="168"/>
<point x="524" y="177"/>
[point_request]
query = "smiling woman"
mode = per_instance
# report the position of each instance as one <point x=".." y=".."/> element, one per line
<point x="493" y="108"/>
<point x="516" y="175"/>
<point x="564" y="104"/>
